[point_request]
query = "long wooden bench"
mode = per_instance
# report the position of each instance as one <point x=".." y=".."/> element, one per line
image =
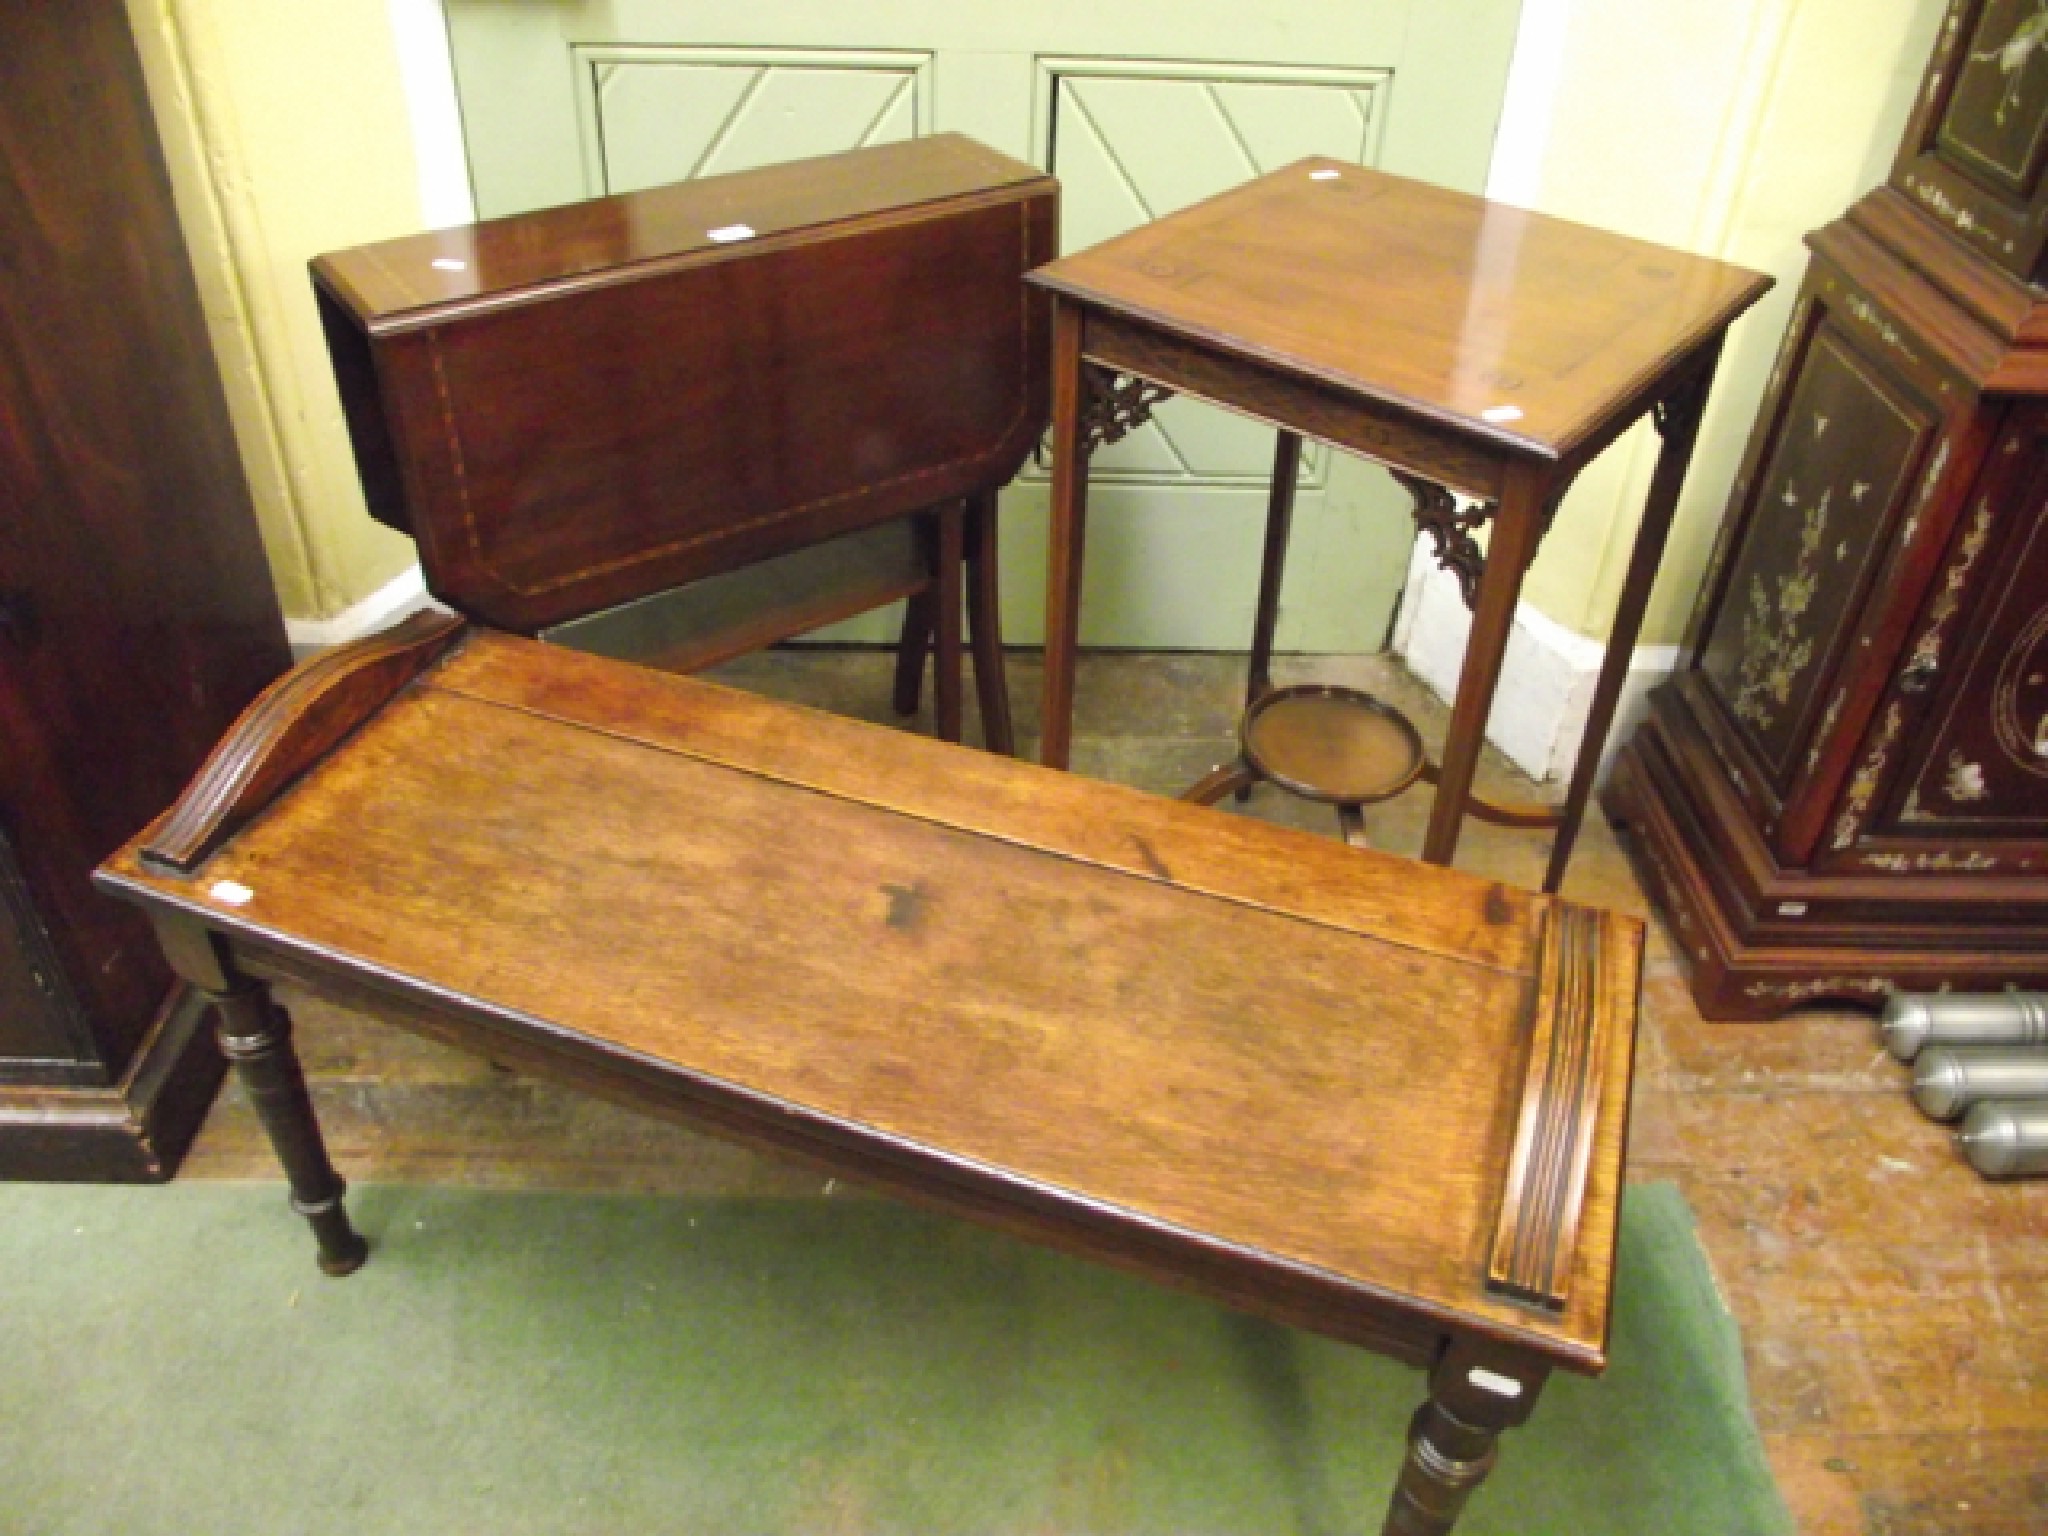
<point x="1365" y="1097"/>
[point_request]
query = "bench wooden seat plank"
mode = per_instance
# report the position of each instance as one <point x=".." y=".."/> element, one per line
<point x="1471" y="919"/>
<point x="1288" y="1074"/>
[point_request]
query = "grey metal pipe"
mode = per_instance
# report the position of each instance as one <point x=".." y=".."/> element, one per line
<point x="1913" y="1020"/>
<point x="1948" y="1079"/>
<point x="2006" y="1141"/>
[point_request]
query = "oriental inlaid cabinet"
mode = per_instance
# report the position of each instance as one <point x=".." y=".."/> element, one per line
<point x="1844" y="790"/>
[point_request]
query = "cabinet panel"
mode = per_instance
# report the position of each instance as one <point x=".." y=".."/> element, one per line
<point x="41" y="1028"/>
<point x="1976" y="769"/>
<point x="1838" y="473"/>
<point x="1974" y="155"/>
<point x="1998" y="107"/>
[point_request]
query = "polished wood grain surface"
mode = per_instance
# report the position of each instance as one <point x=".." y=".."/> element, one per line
<point x="1111" y="1023"/>
<point x="1480" y="922"/>
<point x="1515" y="327"/>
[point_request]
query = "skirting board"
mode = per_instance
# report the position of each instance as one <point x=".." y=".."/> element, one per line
<point x="404" y="594"/>
<point x="1546" y="678"/>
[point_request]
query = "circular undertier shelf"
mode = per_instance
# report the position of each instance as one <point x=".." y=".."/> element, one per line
<point x="1331" y="744"/>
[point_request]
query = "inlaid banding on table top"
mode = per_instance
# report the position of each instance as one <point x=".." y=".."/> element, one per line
<point x="1536" y="1243"/>
<point x="590" y="409"/>
<point x="536" y="531"/>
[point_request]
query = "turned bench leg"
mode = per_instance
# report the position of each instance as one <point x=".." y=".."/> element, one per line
<point x="256" y="1036"/>
<point x="1474" y="1394"/>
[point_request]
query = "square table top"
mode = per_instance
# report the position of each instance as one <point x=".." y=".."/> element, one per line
<point x="1267" y="1052"/>
<point x="1518" y="328"/>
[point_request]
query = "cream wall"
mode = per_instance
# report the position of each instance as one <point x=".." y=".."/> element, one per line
<point x="1728" y="129"/>
<point x="287" y="133"/>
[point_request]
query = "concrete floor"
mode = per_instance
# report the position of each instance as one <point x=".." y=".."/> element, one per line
<point x="1894" y="1307"/>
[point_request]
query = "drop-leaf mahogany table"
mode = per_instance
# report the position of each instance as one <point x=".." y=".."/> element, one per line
<point x="1379" y="1101"/>
<point x="683" y="422"/>
<point x="1467" y="345"/>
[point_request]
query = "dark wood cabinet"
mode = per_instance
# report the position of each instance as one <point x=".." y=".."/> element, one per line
<point x="136" y="611"/>
<point x="1844" y="792"/>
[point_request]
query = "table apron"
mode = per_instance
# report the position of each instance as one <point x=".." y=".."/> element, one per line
<point x="1392" y="437"/>
<point x="1215" y="1271"/>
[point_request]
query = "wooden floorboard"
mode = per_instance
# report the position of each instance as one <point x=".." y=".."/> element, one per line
<point x="1894" y="1307"/>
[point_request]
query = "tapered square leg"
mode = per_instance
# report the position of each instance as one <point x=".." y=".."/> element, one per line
<point x="1066" y="538"/>
<point x="1678" y="421"/>
<point x="1273" y="564"/>
<point x="985" y="625"/>
<point x="946" y="595"/>
<point x="1517" y="523"/>
<point x="920" y="615"/>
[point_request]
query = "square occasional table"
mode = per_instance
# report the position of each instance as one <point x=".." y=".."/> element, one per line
<point x="1469" y="346"/>
<point x="1385" y="1103"/>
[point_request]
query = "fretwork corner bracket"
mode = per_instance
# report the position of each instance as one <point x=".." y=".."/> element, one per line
<point x="294" y="723"/>
<point x="1453" y="526"/>
<point x="1536" y="1242"/>
<point x="1114" y="404"/>
<point x="1451" y="529"/>
<point x="1679" y="412"/>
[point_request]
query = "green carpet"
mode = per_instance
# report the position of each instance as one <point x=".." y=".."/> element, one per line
<point x="171" y="1362"/>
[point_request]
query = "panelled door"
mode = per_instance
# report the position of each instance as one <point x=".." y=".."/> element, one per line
<point x="1139" y="109"/>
